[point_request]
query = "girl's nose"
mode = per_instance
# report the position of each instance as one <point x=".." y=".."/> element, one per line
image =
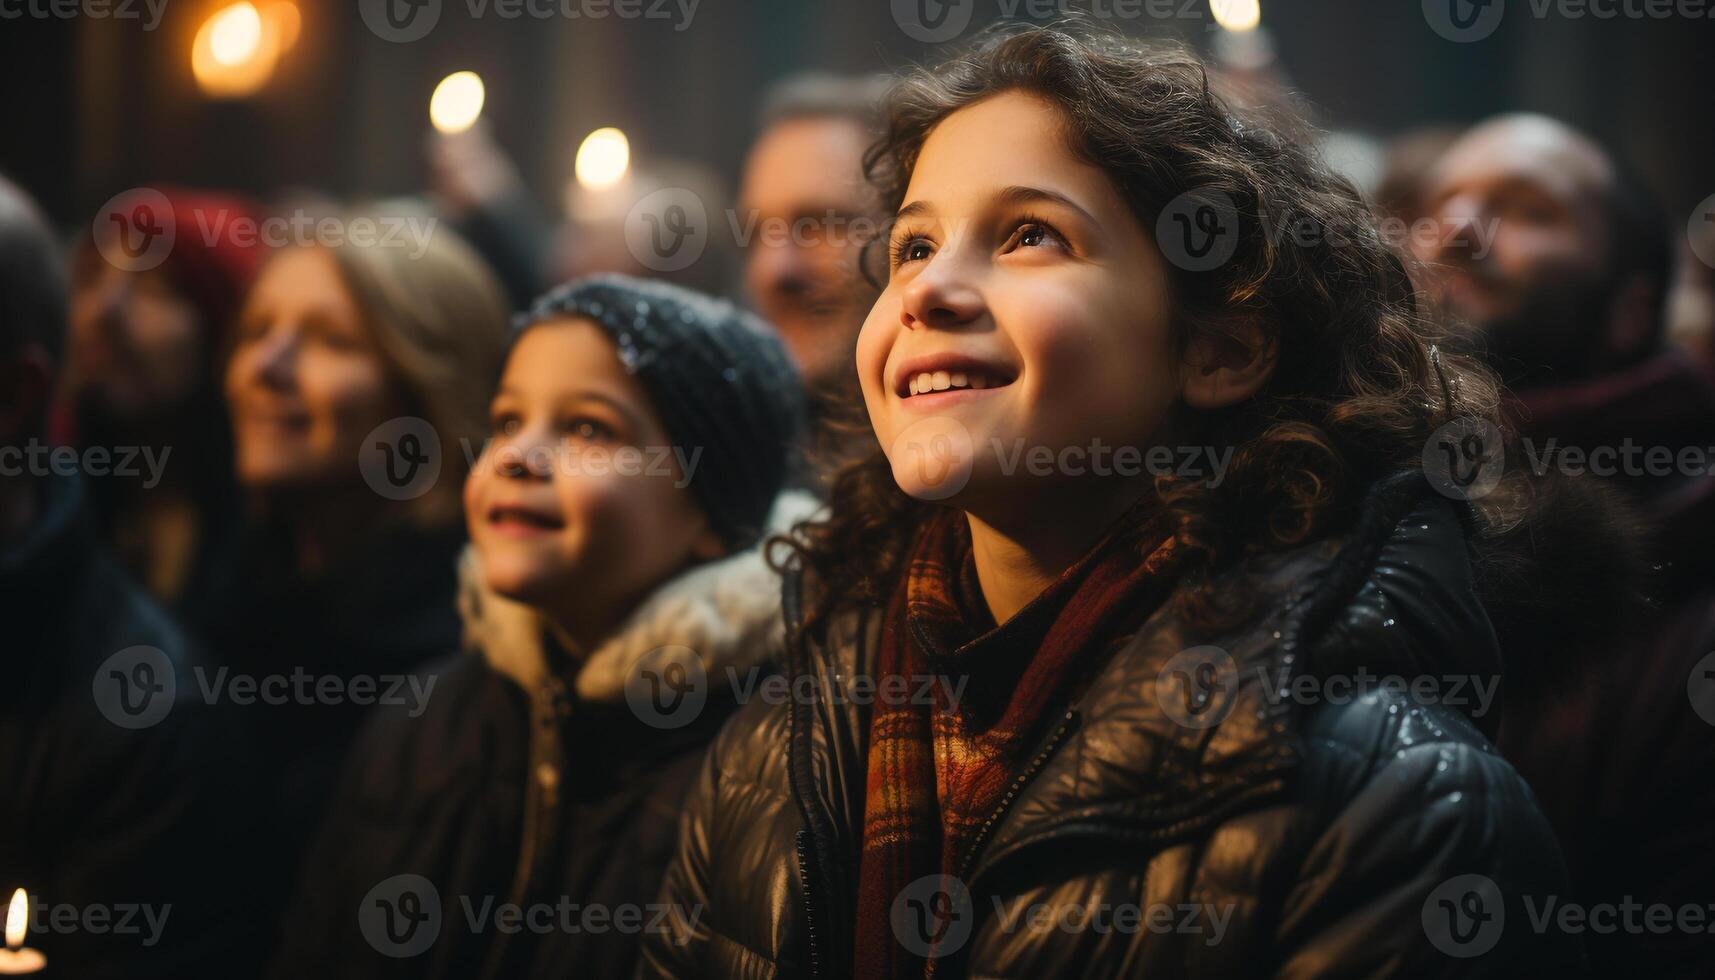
<point x="525" y="455"/>
<point x="940" y="296"/>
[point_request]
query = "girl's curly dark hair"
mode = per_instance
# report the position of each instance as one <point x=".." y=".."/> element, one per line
<point x="1363" y="376"/>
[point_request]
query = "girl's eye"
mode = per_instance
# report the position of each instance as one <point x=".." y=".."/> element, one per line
<point x="505" y="424"/>
<point x="588" y="429"/>
<point x="1034" y="234"/>
<point x="911" y="250"/>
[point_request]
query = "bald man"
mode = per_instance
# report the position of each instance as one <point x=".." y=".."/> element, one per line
<point x="1547" y="250"/>
<point x="1559" y="267"/>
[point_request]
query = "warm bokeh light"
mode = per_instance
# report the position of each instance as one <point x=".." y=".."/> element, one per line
<point x="235" y="49"/>
<point x="603" y="158"/>
<point x="1236" y="15"/>
<point x="235" y="34"/>
<point x="284" y="20"/>
<point x="457" y="102"/>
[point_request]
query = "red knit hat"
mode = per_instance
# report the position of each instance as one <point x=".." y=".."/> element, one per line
<point x="207" y="264"/>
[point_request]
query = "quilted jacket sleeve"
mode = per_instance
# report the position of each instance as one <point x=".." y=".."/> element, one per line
<point x="1434" y="860"/>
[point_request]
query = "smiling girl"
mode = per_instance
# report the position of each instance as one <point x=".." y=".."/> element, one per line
<point x="613" y="595"/>
<point x="1127" y="738"/>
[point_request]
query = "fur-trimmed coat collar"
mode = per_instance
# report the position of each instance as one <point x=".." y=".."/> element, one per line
<point x="727" y="610"/>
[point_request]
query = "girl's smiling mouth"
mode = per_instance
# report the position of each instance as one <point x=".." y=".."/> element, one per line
<point x="942" y="379"/>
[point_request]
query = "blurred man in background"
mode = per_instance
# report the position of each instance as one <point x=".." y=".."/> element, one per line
<point x="809" y="212"/>
<point x="806" y="220"/>
<point x="1560" y="266"/>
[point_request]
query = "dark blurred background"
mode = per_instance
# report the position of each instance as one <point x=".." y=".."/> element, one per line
<point x="98" y="105"/>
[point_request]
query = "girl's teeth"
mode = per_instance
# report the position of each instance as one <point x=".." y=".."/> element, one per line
<point x="927" y="382"/>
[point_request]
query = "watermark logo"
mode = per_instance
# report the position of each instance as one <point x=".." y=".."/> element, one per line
<point x="134" y="231"/>
<point x="136" y="687"/>
<point x="1700" y="687"/>
<point x="668" y="687"/>
<point x="1197" y="688"/>
<point x="400" y="459"/>
<point x="38" y="459"/>
<point x="1464" y="21"/>
<point x="668" y="229"/>
<point x="932" y="21"/>
<point x="1463" y="917"/>
<point x="1198" y="230"/>
<point x="1115" y="918"/>
<point x="148" y="11"/>
<point x="400" y="21"/>
<point x="1701" y="231"/>
<point x="121" y="919"/>
<point x="933" y="458"/>
<point x="401" y="916"/>
<point x="1464" y="459"/>
<point x="933" y="916"/>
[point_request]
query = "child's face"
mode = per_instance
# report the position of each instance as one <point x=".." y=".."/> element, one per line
<point x="577" y="505"/>
<point x="1018" y="270"/>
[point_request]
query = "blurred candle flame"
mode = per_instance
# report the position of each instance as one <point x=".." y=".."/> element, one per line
<point x="457" y="102"/>
<point x="603" y="159"/>
<point x="1236" y="15"/>
<point x="235" y="50"/>
<point x="17" y="919"/>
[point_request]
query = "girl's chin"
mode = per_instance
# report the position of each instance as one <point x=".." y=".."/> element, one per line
<point x="529" y="583"/>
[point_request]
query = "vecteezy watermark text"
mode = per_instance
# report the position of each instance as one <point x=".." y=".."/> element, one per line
<point x="38" y="459"/>
<point x="404" y="21"/>
<point x="401" y="916"/>
<point x="138" y="686"/>
<point x="137" y="229"/>
<point x="116" y="919"/>
<point x="148" y="11"/>
<point x="669" y="686"/>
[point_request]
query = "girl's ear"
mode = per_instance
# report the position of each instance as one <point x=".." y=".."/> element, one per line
<point x="1223" y="368"/>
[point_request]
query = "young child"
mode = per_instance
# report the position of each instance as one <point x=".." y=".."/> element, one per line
<point x="1115" y="770"/>
<point x="519" y="824"/>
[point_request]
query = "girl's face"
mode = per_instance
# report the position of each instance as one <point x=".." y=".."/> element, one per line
<point x="577" y="504"/>
<point x="1026" y="313"/>
<point x="307" y="380"/>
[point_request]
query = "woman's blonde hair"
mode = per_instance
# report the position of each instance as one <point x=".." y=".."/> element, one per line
<point x="441" y="320"/>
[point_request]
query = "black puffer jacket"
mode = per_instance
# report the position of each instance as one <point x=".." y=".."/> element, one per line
<point x="1296" y="837"/>
<point x="127" y="809"/>
<point x="528" y="786"/>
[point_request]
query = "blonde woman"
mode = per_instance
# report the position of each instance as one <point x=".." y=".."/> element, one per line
<point x="358" y="382"/>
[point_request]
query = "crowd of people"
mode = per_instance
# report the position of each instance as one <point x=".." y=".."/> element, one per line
<point x="774" y="635"/>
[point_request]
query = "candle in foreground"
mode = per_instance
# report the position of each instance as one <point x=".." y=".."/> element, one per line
<point x="17" y="958"/>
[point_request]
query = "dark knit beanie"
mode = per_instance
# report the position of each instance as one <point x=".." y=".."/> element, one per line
<point x="719" y="378"/>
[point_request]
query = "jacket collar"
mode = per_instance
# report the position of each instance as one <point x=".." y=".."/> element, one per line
<point x="727" y="610"/>
<point x="1139" y="755"/>
<point x="1184" y="726"/>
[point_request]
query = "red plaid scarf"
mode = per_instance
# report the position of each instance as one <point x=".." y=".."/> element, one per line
<point x="937" y="770"/>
